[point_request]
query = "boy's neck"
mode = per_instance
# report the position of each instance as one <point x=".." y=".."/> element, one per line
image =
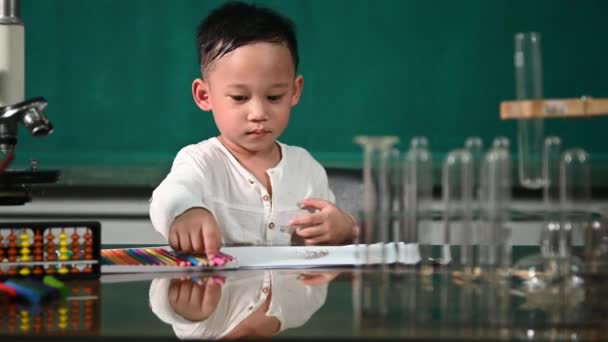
<point x="266" y="159"/>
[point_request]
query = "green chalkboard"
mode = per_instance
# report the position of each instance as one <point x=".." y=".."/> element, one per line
<point x="117" y="73"/>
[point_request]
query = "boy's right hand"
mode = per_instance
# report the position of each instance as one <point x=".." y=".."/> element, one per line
<point x="195" y="231"/>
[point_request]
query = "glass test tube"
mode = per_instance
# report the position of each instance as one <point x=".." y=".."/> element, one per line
<point x="542" y="265"/>
<point x="419" y="142"/>
<point x="503" y="142"/>
<point x="396" y="199"/>
<point x="549" y="238"/>
<point x="418" y="197"/>
<point x="596" y="247"/>
<point x="457" y="194"/>
<point x="475" y="146"/>
<point x="575" y="194"/>
<point x="495" y="199"/>
<point x="529" y="85"/>
<point x="551" y="165"/>
<point x="376" y="192"/>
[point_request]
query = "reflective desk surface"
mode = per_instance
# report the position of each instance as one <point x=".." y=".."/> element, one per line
<point x="396" y="302"/>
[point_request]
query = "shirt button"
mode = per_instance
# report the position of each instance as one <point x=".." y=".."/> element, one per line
<point x="250" y="181"/>
<point x="265" y="290"/>
<point x="266" y="198"/>
<point x="250" y="308"/>
<point x="271" y="225"/>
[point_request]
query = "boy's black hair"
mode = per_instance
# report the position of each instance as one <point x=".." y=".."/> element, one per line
<point x="236" y="24"/>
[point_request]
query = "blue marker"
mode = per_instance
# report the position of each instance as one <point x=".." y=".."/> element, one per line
<point x="22" y="291"/>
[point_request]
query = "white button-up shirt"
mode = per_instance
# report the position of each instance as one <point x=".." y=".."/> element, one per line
<point x="207" y="175"/>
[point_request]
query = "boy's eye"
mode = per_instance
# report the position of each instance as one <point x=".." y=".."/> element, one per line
<point x="238" y="98"/>
<point x="274" y="98"/>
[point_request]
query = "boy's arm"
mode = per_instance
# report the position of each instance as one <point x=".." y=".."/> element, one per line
<point x="181" y="190"/>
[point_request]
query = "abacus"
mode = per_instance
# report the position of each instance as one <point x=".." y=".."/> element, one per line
<point x="65" y="250"/>
<point x="77" y="312"/>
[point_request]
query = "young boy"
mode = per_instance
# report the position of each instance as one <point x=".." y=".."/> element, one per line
<point x="245" y="187"/>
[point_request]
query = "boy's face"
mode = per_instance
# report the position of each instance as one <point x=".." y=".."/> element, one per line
<point x="250" y="91"/>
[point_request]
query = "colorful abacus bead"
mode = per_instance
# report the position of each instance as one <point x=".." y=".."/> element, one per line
<point x="75" y="246"/>
<point x="75" y="316"/>
<point x="88" y="243"/>
<point x="37" y="325"/>
<point x="50" y="246"/>
<point x="63" y="247"/>
<point x="88" y="314"/>
<point x="63" y="270"/>
<point x="12" y="317"/>
<point x="24" y="318"/>
<point x="12" y="247"/>
<point x="38" y="270"/>
<point x="12" y="254"/>
<point x="25" y="244"/>
<point x="25" y="271"/>
<point x="38" y="244"/>
<point x="63" y="317"/>
<point x="1" y="248"/>
<point x="50" y="320"/>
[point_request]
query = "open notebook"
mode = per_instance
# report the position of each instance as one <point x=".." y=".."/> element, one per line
<point x="261" y="257"/>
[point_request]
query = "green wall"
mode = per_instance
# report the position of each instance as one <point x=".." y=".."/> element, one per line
<point x="117" y="74"/>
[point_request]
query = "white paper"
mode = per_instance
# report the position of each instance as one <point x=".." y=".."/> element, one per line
<point x="274" y="257"/>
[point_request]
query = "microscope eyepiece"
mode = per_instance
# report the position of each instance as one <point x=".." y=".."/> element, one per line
<point x="36" y="122"/>
<point x="30" y="114"/>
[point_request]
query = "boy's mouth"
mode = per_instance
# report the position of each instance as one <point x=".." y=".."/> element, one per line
<point x="258" y="132"/>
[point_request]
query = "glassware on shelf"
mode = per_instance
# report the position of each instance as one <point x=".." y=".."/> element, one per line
<point x="376" y="215"/>
<point x="417" y="201"/>
<point x="495" y="250"/>
<point x="457" y="191"/>
<point x="529" y="85"/>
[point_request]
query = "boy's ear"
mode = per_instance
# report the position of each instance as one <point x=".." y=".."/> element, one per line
<point x="298" y="83"/>
<point x="200" y="93"/>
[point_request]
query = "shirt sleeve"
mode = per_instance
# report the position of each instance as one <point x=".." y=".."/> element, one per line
<point x="181" y="190"/>
<point x="322" y="184"/>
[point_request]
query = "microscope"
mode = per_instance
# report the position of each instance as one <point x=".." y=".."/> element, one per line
<point x="16" y="111"/>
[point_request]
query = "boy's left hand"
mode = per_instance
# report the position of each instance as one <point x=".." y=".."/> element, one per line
<point x="329" y="225"/>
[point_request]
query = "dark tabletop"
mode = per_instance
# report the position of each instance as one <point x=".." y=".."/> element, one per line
<point x="403" y="302"/>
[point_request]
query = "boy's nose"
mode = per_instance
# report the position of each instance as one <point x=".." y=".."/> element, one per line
<point x="257" y="112"/>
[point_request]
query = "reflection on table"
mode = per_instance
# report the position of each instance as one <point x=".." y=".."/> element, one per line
<point x="401" y="301"/>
